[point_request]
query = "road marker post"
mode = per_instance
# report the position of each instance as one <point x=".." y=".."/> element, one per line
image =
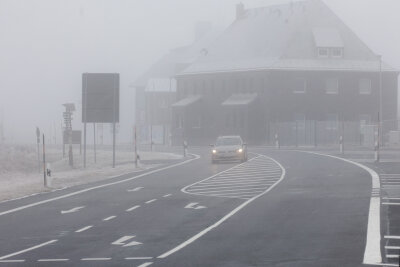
<point x="44" y="164"/>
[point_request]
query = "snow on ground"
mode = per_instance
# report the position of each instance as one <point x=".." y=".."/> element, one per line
<point x="21" y="175"/>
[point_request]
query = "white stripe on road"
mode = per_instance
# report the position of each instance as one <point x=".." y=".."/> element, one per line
<point x="28" y="249"/>
<point x="391" y="204"/>
<point x="392" y="256"/>
<point x="84" y="229"/>
<point x="95" y="259"/>
<point x="145" y="264"/>
<point x="392" y="236"/>
<point x="138" y="258"/>
<point x="392" y="247"/>
<point x="391" y="198"/>
<point x="109" y="218"/>
<point x="167" y="195"/>
<point x="50" y="260"/>
<point x="195" y="157"/>
<point x="230" y="214"/>
<point x="228" y="185"/>
<point x="10" y="261"/>
<point x="133" y="208"/>
<point x="149" y="201"/>
<point x="135" y="189"/>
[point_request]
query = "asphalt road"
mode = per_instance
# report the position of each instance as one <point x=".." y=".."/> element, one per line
<point x="280" y="208"/>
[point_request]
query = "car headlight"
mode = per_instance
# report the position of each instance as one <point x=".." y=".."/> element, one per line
<point x="214" y="151"/>
<point x="240" y="150"/>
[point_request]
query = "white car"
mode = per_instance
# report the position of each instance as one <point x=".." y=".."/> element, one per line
<point x="229" y="148"/>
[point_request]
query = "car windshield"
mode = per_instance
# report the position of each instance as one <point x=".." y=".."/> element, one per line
<point x="228" y="141"/>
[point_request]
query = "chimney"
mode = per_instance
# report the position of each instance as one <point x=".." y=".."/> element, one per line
<point x="240" y="11"/>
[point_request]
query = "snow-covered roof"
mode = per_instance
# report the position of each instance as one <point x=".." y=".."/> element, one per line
<point x="239" y="99"/>
<point x="187" y="101"/>
<point x="285" y="36"/>
<point x="327" y="37"/>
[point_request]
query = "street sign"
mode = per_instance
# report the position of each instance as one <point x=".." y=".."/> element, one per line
<point x="76" y="137"/>
<point x="100" y="97"/>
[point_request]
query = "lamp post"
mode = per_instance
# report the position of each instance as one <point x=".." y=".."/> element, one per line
<point x="379" y="141"/>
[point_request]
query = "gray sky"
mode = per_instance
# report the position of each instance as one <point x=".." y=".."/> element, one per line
<point x="47" y="44"/>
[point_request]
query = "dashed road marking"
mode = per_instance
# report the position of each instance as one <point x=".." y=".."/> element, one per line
<point x="167" y="195"/>
<point x="109" y="218"/>
<point x="11" y="261"/>
<point x="84" y="229"/>
<point x="150" y="201"/>
<point x="133" y="208"/>
<point x="145" y="264"/>
<point x="28" y="249"/>
<point x="138" y="258"/>
<point x="135" y="189"/>
<point x="51" y="260"/>
<point x="72" y="210"/>
<point x="95" y="259"/>
<point x="392" y="236"/>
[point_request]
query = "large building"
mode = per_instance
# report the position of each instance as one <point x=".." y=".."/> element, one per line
<point x="295" y="72"/>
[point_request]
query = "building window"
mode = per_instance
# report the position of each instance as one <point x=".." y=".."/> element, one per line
<point x="337" y="52"/>
<point x="364" y="86"/>
<point x="300" y="86"/>
<point x="332" y="121"/>
<point x="196" y="123"/>
<point x="323" y="52"/>
<point x="332" y="86"/>
<point x="179" y="121"/>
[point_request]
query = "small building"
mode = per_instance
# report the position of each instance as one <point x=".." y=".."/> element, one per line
<point x="294" y="72"/>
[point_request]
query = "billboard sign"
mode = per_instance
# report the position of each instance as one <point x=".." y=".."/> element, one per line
<point x="76" y="137"/>
<point x="100" y="97"/>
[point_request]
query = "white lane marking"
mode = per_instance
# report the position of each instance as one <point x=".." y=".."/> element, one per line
<point x="372" y="253"/>
<point x="149" y="201"/>
<point x="28" y="249"/>
<point x="109" y="218"/>
<point x="392" y="256"/>
<point x="138" y="258"/>
<point x="135" y="189"/>
<point x="238" y="180"/>
<point x="145" y="264"/>
<point x="53" y="260"/>
<point x="122" y="241"/>
<point x="390" y="204"/>
<point x="133" y="208"/>
<point x="391" y="198"/>
<point x="234" y="182"/>
<point x="249" y="173"/>
<point x="386" y="264"/>
<point x="84" y="229"/>
<point x="10" y="261"/>
<point x="167" y="195"/>
<point x="235" y="192"/>
<point x="227" y="216"/>
<point x="95" y="259"/>
<point x="195" y="157"/>
<point x="193" y="205"/>
<point x="392" y="247"/>
<point x="247" y="176"/>
<point x="72" y="210"/>
<point x="392" y="236"/>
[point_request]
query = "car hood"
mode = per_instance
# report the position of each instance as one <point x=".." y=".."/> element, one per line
<point x="227" y="148"/>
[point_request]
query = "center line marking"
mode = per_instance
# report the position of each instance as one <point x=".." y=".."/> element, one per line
<point x="152" y="200"/>
<point x="53" y="260"/>
<point x="138" y="258"/>
<point x="84" y="229"/>
<point x="109" y="218"/>
<point x="28" y="249"/>
<point x="133" y="208"/>
<point x="9" y="261"/>
<point x="95" y="259"/>
<point x="167" y="195"/>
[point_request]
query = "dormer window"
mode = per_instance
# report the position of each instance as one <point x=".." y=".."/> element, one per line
<point x="328" y="42"/>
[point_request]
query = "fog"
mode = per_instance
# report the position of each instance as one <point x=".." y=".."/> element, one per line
<point x="46" y="45"/>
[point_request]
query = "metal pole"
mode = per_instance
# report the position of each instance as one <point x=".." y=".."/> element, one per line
<point x="380" y="101"/>
<point x="114" y="119"/>
<point x="94" y="141"/>
<point x="84" y="144"/>
<point x="44" y="164"/>
<point x="135" y="146"/>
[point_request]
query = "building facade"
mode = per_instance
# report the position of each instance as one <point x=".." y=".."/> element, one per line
<point x="291" y="72"/>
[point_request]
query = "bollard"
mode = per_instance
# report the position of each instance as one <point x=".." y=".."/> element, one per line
<point x="185" y="145"/>
<point x="277" y="145"/>
<point x="341" y="145"/>
<point x="376" y="148"/>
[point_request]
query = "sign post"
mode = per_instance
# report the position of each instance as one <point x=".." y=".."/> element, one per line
<point x="135" y="146"/>
<point x="44" y="164"/>
<point x="38" y="144"/>
<point x="100" y="103"/>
